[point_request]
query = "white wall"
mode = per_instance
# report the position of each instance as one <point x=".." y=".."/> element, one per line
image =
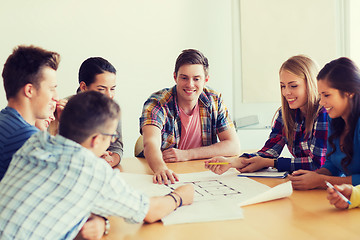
<point x="141" y="38"/>
<point x="266" y="34"/>
<point x="271" y="32"/>
<point x="354" y="31"/>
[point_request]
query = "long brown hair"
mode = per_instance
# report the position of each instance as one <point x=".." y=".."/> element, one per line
<point x="343" y="74"/>
<point x="305" y="68"/>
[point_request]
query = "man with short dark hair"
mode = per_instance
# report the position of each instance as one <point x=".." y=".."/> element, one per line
<point x="185" y="122"/>
<point x="30" y="84"/>
<point x="63" y="179"/>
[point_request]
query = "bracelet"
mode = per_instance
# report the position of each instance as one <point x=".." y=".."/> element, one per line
<point x="107" y="226"/>
<point x="181" y="202"/>
<point x="171" y="195"/>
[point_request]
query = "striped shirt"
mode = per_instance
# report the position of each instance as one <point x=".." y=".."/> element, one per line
<point x="14" y="131"/>
<point x="161" y="110"/>
<point x="53" y="184"/>
<point x="309" y="151"/>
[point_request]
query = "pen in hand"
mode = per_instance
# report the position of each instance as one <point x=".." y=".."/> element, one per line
<point x="337" y="192"/>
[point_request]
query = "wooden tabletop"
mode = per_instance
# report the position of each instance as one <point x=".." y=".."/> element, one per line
<point x="303" y="215"/>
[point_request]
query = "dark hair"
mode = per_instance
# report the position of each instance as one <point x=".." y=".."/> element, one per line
<point x="87" y="113"/>
<point x="343" y="75"/>
<point x="24" y="66"/>
<point x="92" y="67"/>
<point x="192" y="56"/>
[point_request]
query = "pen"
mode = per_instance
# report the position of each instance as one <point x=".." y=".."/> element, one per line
<point x="218" y="163"/>
<point x="338" y="193"/>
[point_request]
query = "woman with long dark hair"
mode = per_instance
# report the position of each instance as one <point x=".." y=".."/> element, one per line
<point x="96" y="74"/>
<point x="339" y="88"/>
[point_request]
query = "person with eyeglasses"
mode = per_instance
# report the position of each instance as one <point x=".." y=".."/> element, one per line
<point x="114" y="137"/>
<point x="63" y="181"/>
<point x="96" y="74"/>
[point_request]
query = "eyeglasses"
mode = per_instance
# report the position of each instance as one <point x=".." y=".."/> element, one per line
<point x="114" y="137"/>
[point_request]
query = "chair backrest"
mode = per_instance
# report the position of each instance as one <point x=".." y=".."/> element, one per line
<point x="139" y="146"/>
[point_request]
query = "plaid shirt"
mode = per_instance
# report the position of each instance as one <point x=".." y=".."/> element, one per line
<point x="309" y="151"/>
<point x="161" y="110"/>
<point x="53" y="184"/>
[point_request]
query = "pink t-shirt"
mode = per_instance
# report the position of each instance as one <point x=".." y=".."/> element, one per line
<point x="190" y="129"/>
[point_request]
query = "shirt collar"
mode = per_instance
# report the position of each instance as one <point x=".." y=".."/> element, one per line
<point x="298" y="116"/>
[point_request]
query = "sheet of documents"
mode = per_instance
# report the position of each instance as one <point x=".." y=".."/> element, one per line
<point x="267" y="173"/>
<point x="216" y="196"/>
<point x="279" y="191"/>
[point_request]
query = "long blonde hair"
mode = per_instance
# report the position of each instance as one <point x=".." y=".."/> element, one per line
<point x="305" y="68"/>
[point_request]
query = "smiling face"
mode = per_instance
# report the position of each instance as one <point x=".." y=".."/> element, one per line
<point x="45" y="97"/>
<point x="43" y="124"/>
<point x="190" y="81"/>
<point x="334" y="101"/>
<point x="293" y="89"/>
<point x="104" y="83"/>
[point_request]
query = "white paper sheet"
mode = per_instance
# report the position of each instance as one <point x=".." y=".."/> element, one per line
<point x="216" y="197"/>
<point x="279" y="191"/>
<point x="205" y="211"/>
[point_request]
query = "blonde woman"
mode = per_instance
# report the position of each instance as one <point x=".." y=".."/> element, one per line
<point x="301" y="124"/>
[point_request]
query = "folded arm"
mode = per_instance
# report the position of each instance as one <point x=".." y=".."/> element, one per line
<point x="229" y="145"/>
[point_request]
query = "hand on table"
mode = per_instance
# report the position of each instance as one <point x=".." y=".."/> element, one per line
<point x="254" y="163"/>
<point x="305" y="180"/>
<point x="174" y="155"/>
<point x="165" y="176"/>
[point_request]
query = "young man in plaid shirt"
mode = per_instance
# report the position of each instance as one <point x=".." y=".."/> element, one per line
<point x="185" y="122"/>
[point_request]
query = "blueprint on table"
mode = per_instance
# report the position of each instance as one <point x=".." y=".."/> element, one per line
<point x="216" y="196"/>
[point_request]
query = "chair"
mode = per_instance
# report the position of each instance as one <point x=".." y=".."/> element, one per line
<point x="139" y="147"/>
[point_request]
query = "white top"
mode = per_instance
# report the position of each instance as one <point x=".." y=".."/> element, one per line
<point x="53" y="184"/>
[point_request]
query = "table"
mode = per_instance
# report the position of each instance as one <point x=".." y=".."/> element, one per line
<point x="304" y="215"/>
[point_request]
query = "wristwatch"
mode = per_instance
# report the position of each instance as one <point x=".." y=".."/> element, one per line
<point x="107" y="226"/>
<point x="275" y="163"/>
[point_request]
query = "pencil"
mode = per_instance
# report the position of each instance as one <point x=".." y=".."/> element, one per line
<point x="218" y="163"/>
